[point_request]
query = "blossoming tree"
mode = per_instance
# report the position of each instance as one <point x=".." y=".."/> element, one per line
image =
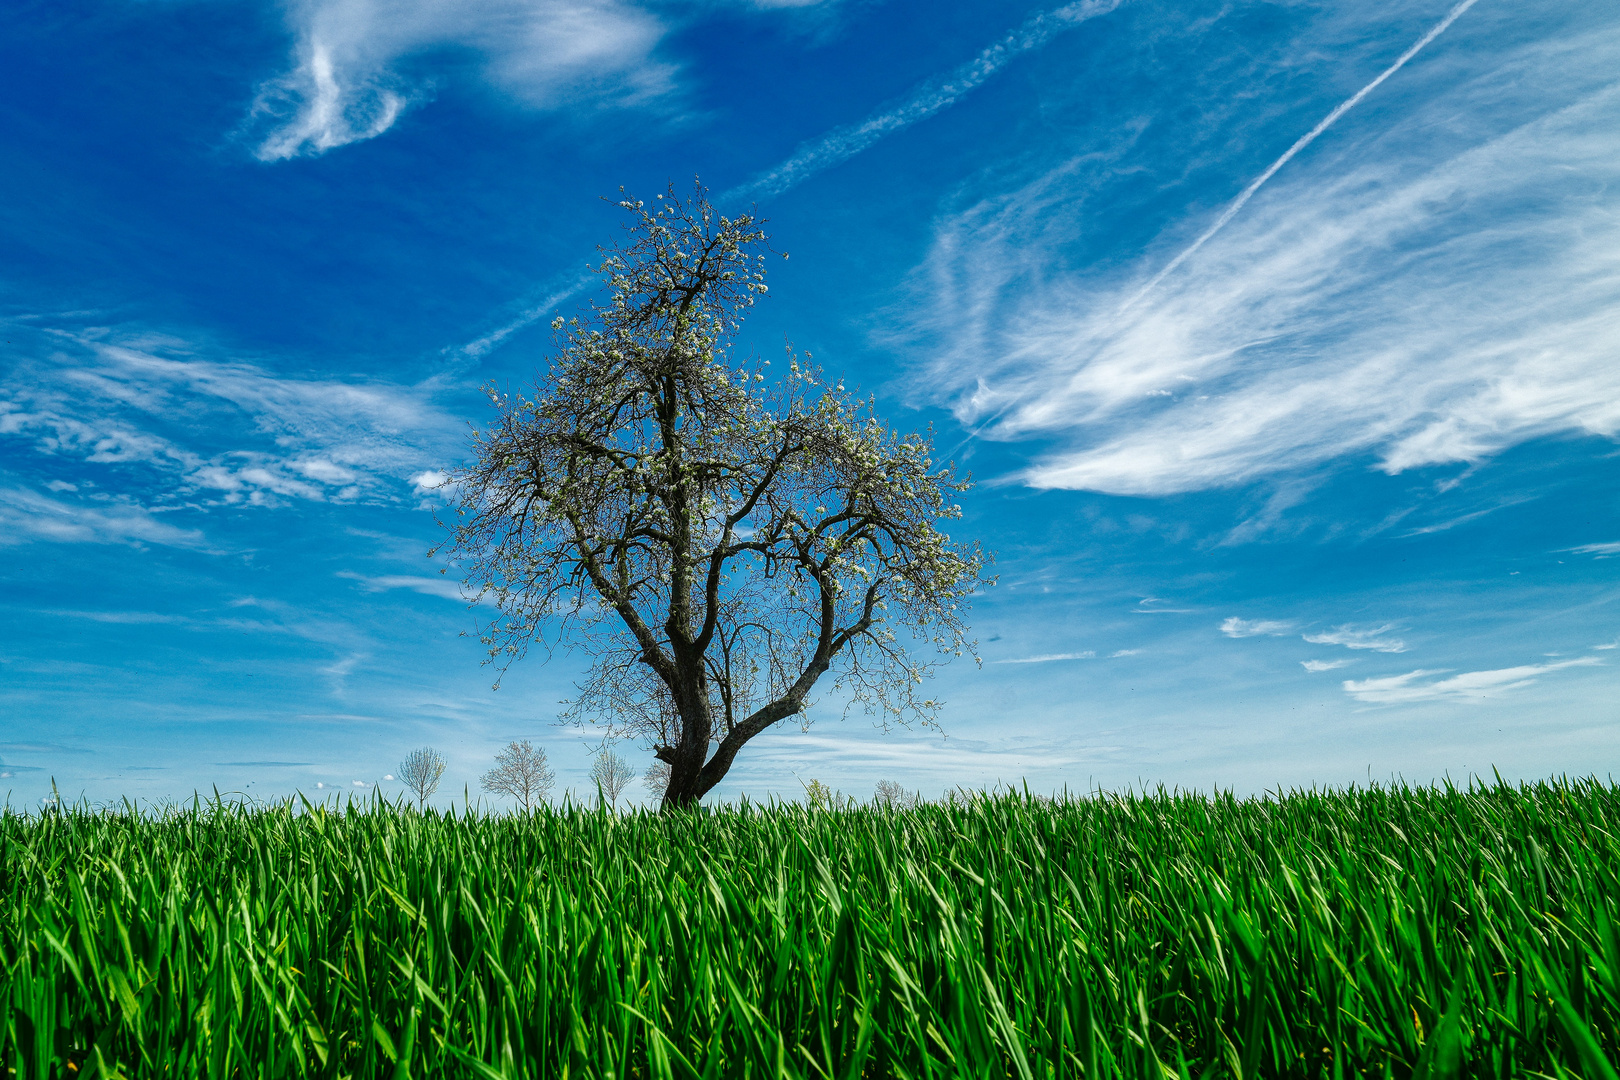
<point x="718" y="538"/>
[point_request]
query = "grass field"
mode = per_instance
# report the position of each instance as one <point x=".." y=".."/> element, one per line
<point x="1382" y="932"/>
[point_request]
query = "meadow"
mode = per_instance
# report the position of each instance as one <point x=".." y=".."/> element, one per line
<point x="1372" y="932"/>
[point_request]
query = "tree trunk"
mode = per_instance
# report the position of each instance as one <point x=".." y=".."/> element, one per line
<point x="690" y="754"/>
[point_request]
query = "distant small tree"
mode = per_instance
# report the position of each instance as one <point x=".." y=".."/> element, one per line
<point x="520" y="772"/>
<point x="421" y="771"/>
<point x="611" y="774"/>
<point x="818" y="795"/>
<point x="657" y="779"/>
<point x="893" y="796"/>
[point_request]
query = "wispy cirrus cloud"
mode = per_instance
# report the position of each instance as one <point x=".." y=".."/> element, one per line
<point x="1324" y="665"/>
<point x="176" y="426"/>
<point x="948" y="762"/>
<point x="1469" y="686"/>
<point x="1235" y="627"/>
<point x="428" y="586"/>
<point x="1047" y="658"/>
<point x="1442" y="285"/>
<point x="1375" y="638"/>
<point x="1599" y="550"/>
<point x="120" y="618"/>
<point x="1148" y="606"/>
<point x="27" y="515"/>
<point x="338" y="671"/>
<point x="349" y="79"/>
<point x="346" y="83"/>
<point x="1301" y="143"/>
<point x="1463" y="519"/>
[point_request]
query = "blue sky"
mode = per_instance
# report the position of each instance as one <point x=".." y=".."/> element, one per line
<point x="1295" y="424"/>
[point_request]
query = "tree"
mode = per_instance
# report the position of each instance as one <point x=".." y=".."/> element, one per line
<point x="520" y="772"/>
<point x="716" y="539"/>
<point x="656" y="778"/>
<point x="818" y="796"/>
<point x="892" y="796"/>
<point x="421" y="771"/>
<point x="611" y="774"/>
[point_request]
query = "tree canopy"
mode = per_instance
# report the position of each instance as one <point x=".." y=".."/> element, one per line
<point x="717" y="535"/>
<point x="522" y="773"/>
<point x="421" y="771"/>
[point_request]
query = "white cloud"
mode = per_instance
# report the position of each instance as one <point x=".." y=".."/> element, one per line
<point x="1472" y="685"/>
<point x="27" y="515"/>
<point x="1235" y="627"/>
<point x="957" y="760"/>
<point x="1463" y="519"/>
<point x="217" y="430"/>
<point x="429" y="481"/>
<point x="121" y="617"/>
<point x="1351" y="637"/>
<point x="1144" y="607"/>
<point x="1123" y="652"/>
<point x="56" y="419"/>
<point x="1301" y="143"/>
<point x="1324" y="665"/>
<point x="341" y="668"/>
<point x="1433" y="291"/>
<point x="325" y="471"/>
<point x="446" y="587"/>
<point x="1596" y="549"/>
<point x="345" y="84"/>
<point x="1047" y="658"/>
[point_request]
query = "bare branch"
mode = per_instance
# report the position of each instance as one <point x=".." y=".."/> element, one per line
<point x="421" y="771"/>
<point x="521" y="773"/>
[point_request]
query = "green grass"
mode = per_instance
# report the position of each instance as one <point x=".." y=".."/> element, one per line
<point x="1384" y="932"/>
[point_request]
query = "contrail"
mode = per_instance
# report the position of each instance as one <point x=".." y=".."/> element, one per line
<point x="1248" y="192"/>
<point x="475" y="349"/>
<point x="1304" y="141"/>
<point x="843" y="143"/>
